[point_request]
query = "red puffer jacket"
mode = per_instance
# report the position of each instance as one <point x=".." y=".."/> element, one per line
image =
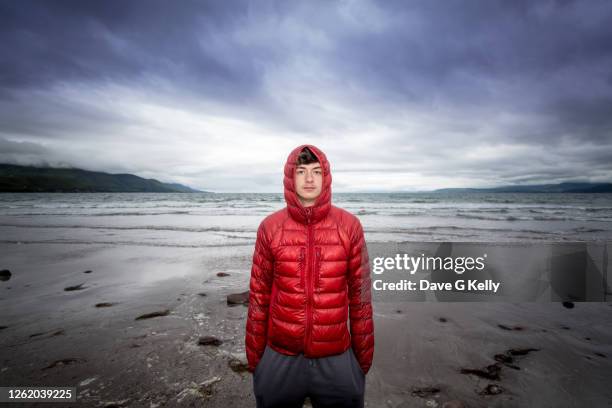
<point x="310" y="275"/>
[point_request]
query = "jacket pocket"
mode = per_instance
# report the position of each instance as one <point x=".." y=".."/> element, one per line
<point x="260" y="375"/>
<point x="259" y="365"/>
<point x="301" y="266"/>
<point x="356" y="364"/>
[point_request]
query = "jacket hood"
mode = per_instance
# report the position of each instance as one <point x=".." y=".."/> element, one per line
<point x="322" y="204"/>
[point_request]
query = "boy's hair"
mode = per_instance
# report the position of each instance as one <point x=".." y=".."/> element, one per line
<point x="306" y="157"/>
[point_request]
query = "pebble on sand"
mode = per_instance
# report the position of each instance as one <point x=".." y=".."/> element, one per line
<point x="222" y="274"/>
<point x="504" y="327"/>
<point x="238" y="365"/>
<point x="492" y="389"/>
<point x="209" y="341"/>
<point x="238" y="298"/>
<point x="5" y="275"/>
<point x="569" y="305"/>
<point x="51" y="333"/>
<point x="105" y="304"/>
<point x="521" y="351"/>
<point x="64" y="361"/>
<point x="507" y="360"/>
<point x="164" y="312"/>
<point x="490" y="372"/>
<point x="76" y="287"/>
<point x="425" y="392"/>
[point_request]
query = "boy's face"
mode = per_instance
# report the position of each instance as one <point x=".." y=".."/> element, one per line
<point x="308" y="180"/>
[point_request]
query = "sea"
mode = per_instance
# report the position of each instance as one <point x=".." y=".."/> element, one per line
<point x="193" y="220"/>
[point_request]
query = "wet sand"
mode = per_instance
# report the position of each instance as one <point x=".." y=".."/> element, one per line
<point x="482" y="354"/>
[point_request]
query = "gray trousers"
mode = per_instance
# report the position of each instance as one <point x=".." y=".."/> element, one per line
<point x="285" y="381"/>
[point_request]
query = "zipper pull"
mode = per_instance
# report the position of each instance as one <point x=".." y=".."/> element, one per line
<point x="308" y="214"/>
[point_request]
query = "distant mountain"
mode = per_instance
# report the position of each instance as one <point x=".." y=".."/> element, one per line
<point x="540" y="188"/>
<point x="15" y="178"/>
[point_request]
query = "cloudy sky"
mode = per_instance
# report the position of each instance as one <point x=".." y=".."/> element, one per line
<point x="400" y="95"/>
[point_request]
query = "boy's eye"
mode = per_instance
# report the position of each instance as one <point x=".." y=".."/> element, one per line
<point x="315" y="172"/>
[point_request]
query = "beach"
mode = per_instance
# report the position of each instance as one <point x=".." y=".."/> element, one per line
<point x="147" y="362"/>
<point x="179" y="264"/>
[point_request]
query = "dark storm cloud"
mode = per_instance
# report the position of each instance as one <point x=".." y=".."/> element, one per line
<point x="49" y="41"/>
<point x="521" y="89"/>
<point x="552" y="57"/>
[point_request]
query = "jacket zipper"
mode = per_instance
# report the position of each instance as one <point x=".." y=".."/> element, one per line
<point x="318" y="270"/>
<point x="301" y="267"/>
<point x="308" y="283"/>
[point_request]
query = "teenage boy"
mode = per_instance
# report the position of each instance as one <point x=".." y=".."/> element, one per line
<point x="310" y="275"/>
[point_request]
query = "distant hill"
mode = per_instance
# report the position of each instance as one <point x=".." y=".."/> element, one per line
<point x="15" y="178"/>
<point x="540" y="188"/>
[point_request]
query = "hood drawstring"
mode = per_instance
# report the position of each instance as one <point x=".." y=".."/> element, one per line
<point x="308" y="214"/>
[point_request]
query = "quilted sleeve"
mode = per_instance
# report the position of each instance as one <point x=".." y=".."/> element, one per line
<point x="260" y="288"/>
<point x="360" y="300"/>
